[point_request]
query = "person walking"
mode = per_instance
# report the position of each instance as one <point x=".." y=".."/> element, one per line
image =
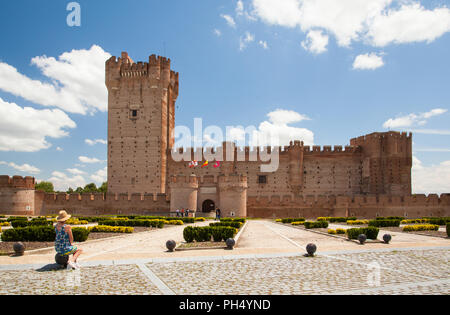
<point x="218" y="214"/>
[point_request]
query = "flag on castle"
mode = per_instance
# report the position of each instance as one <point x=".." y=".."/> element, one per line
<point x="193" y="164"/>
<point x="205" y="164"/>
<point x="217" y="164"/>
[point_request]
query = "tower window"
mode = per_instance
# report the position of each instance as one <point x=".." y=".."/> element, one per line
<point x="262" y="179"/>
<point x="134" y="113"/>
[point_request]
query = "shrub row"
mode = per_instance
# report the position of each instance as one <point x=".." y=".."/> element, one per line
<point x="336" y="219"/>
<point x="298" y="223"/>
<point x="423" y="227"/>
<point x="337" y="231"/>
<point x="111" y="229"/>
<point x="23" y="223"/>
<point x="370" y="232"/>
<point x="205" y="233"/>
<point x="384" y="223"/>
<point x="16" y="218"/>
<point x="316" y="225"/>
<point x="174" y="222"/>
<point x="410" y="221"/>
<point x="390" y="218"/>
<point x="146" y="223"/>
<point x="236" y="225"/>
<point x="290" y="220"/>
<point x="242" y="220"/>
<point x="357" y="222"/>
<point x="5" y="224"/>
<point x="40" y="234"/>
<point x="437" y="221"/>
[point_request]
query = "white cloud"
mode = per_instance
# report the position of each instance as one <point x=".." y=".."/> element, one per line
<point x="217" y="32"/>
<point x="77" y="81"/>
<point x="315" y="42"/>
<point x="27" y="129"/>
<point x="59" y="149"/>
<point x="87" y="160"/>
<point x="377" y="22"/>
<point x="239" y="8"/>
<point x="25" y="168"/>
<point x="246" y="39"/>
<point x="414" y="120"/>
<point x="62" y="181"/>
<point x="100" y="176"/>
<point x="274" y="132"/>
<point x="96" y="141"/>
<point x="411" y="23"/>
<point x="430" y="179"/>
<point x="263" y="44"/>
<point x="75" y="171"/>
<point x="229" y="19"/>
<point x="368" y="62"/>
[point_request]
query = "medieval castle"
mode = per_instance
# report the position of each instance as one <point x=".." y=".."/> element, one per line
<point x="370" y="177"/>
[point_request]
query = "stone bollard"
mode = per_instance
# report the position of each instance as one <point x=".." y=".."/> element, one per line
<point x="19" y="249"/>
<point x="387" y="238"/>
<point x="62" y="260"/>
<point x="362" y="238"/>
<point x="311" y="250"/>
<point x="230" y="243"/>
<point x="171" y="245"/>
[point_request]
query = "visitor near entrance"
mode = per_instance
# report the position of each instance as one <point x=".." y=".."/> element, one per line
<point x="64" y="240"/>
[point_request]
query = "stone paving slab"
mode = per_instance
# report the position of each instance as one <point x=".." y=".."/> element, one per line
<point x="119" y="280"/>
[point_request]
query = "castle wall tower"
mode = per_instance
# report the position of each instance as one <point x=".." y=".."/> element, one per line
<point x="296" y="166"/>
<point x="141" y="120"/>
<point x="17" y="195"/>
<point x="387" y="163"/>
<point x="183" y="192"/>
<point x="233" y="195"/>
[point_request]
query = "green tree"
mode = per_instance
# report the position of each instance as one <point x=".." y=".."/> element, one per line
<point x="45" y="186"/>
<point x="90" y="188"/>
<point x="103" y="188"/>
<point x="79" y="190"/>
<point x="70" y="190"/>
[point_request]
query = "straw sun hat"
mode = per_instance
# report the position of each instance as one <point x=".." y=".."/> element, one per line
<point x="63" y="216"/>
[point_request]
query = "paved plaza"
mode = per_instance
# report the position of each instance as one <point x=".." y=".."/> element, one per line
<point x="268" y="260"/>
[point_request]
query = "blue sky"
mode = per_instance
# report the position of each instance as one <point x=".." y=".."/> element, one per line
<point x="334" y="70"/>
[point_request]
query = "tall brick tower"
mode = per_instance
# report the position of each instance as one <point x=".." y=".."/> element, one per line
<point x="141" y="119"/>
<point x="387" y="162"/>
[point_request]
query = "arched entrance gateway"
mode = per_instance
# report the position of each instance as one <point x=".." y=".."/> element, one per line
<point x="208" y="206"/>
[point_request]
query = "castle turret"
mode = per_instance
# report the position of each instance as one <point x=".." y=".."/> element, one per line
<point x="141" y="120"/>
<point x="183" y="192"/>
<point x="295" y="151"/>
<point x="17" y="195"/>
<point x="387" y="162"/>
<point x="233" y="195"/>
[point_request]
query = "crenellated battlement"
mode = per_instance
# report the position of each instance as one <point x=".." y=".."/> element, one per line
<point x="157" y="68"/>
<point x="17" y="182"/>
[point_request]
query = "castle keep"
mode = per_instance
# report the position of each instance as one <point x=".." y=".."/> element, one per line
<point x="370" y="176"/>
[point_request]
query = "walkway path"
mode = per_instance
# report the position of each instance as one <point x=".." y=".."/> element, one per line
<point x="269" y="260"/>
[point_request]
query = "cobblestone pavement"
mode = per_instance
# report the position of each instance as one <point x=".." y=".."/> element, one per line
<point x="424" y="271"/>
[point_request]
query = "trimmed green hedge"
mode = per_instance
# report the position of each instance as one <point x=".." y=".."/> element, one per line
<point x="23" y="223"/>
<point x="370" y="232"/>
<point x="16" y="218"/>
<point x="390" y="218"/>
<point x="437" y="221"/>
<point x="316" y="225"/>
<point x="384" y="223"/>
<point x="205" y="233"/>
<point x="336" y="219"/>
<point x="236" y="225"/>
<point x="290" y="220"/>
<point x="146" y="223"/>
<point x="242" y="220"/>
<point x="40" y="234"/>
